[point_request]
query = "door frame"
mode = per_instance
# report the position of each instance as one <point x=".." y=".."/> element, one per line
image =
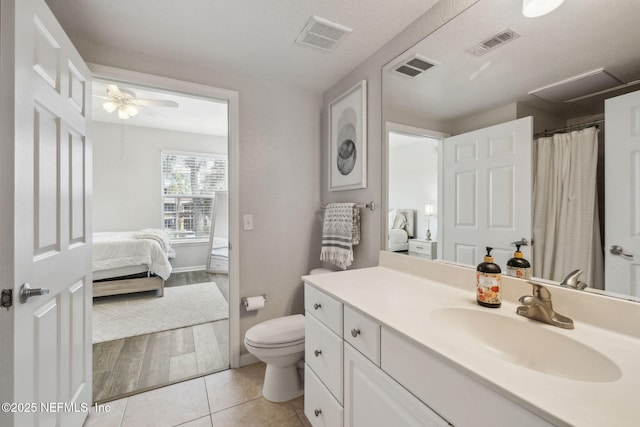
<point x="394" y="127"/>
<point x="232" y="97"/>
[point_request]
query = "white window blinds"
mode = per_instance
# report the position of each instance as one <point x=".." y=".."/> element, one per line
<point x="189" y="185"/>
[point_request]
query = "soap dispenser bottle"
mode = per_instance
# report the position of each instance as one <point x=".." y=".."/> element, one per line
<point x="518" y="266"/>
<point x="488" y="282"/>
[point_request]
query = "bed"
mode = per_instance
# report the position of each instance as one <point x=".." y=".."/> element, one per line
<point x="130" y="261"/>
<point x="401" y="229"/>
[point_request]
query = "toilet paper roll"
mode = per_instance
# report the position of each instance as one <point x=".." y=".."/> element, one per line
<point x="254" y="303"/>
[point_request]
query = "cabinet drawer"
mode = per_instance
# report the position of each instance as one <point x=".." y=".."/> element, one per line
<point x="320" y="407"/>
<point x="447" y="389"/>
<point x="324" y="308"/>
<point x="323" y="354"/>
<point x="362" y="333"/>
<point x="422" y="248"/>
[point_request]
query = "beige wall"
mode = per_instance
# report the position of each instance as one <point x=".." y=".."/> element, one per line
<point x="279" y="176"/>
<point x="366" y="254"/>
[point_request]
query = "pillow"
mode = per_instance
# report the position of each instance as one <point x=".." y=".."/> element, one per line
<point x="400" y="221"/>
<point x="392" y="217"/>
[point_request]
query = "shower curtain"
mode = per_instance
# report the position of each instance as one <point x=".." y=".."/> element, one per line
<point x="565" y="207"/>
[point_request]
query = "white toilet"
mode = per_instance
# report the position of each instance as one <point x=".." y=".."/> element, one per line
<point x="279" y="343"/>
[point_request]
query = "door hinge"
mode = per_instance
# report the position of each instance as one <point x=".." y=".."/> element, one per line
<point x="7" y="298"/>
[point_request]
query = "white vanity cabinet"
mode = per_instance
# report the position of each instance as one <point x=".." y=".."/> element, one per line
<point x="374" y="399"/>
<point x="323" y="385"/>
<point x="360" y="373"/>
<point x="344" y="385"/>
<point x="463" y="401"/>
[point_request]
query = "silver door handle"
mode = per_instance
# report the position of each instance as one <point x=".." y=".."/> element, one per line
<point x="617" y="250"/>
<point x="27" y="291"/>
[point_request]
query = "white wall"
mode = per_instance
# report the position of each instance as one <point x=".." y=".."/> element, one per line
<point x="413" y="180"/>
<point x="372" y="240"/>
<point x="279" y="176"/>
<point x="127" y="193"/>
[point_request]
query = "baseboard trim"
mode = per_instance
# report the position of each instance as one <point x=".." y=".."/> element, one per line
<point x="248" y="359"/>
<point x="187" y="269"/>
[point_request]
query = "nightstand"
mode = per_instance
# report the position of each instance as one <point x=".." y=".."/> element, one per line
<point x="423" y="248"/>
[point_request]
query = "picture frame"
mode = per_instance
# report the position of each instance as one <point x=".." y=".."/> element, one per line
<point x="348" y="139"/>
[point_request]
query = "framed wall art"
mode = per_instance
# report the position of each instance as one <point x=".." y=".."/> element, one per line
<point x="348" y="139"/>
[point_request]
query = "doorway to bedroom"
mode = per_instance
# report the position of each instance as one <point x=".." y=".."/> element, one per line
<point x="160" y="243"/>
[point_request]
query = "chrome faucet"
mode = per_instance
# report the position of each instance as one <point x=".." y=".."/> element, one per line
<point x="572" y="281"/>
<point x="538" y="307"/>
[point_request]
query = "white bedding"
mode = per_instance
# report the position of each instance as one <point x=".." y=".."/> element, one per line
<point x="401" y="222"/>
<point x="398" y="236"/>
<point x="122" y="249"/>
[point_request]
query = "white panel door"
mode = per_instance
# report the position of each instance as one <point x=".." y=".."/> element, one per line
<point x="487" y="192"/>
<point x="622" y="194"/>
<point x="47" y="348"/>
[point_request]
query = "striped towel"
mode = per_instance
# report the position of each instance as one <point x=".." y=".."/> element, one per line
<point x="340" y="231"/>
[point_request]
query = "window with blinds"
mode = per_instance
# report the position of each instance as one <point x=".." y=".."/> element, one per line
<point x="189" y="184"/>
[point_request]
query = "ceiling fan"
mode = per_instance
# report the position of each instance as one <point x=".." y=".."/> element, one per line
<point x="126" y="102"/>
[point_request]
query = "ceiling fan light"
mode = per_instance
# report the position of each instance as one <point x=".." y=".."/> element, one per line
<point x="110" y="106"/>
<point x="122" y="114"/>
<point x="131" y="110"/>
<point x="535" y="8"/>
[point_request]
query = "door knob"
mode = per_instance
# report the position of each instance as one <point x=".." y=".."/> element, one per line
<point x="617" y="250"/>
<point x="27" y="291"/>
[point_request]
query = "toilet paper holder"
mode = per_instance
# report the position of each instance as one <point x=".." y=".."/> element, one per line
<point x="245" y="301"/>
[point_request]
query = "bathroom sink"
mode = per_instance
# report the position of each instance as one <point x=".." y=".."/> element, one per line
<point x="525" y="343"/>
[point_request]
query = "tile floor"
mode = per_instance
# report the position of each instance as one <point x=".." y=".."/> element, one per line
<point x="231" y="398"/>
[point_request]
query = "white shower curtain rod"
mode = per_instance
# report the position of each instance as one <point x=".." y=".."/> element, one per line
<point x="568" y="128"/>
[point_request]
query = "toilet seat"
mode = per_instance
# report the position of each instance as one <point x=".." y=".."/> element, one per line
<point x="281" y="332"/>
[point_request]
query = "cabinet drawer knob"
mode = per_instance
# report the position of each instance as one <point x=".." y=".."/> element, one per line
<point x="317" y="305"/>
<point x="317" y="412"/>
<point x="317" y="352"/>
<point x="355" y="332"/>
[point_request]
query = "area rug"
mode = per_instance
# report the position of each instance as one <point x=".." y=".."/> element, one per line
<point x="138" y="314"/>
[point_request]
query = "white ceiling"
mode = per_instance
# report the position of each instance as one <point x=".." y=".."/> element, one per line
<point x="251" y="37"/>
<point x="578" y="37"/>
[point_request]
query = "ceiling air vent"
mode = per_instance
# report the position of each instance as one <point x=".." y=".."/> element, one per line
<point x="413" y="66"/>
<point x="322" y="34"/>
<point x="504" y="36"/>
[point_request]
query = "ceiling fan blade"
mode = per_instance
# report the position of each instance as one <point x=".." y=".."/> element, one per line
<point x="155" y="102"/>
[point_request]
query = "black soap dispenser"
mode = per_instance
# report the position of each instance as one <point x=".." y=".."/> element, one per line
<point x="488" y="282"/>
<point x="518" y="266"/>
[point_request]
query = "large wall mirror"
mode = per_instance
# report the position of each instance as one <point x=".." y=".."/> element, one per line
<point x="550" y="76"/>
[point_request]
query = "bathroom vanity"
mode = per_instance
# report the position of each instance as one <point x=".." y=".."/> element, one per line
<point x="406" y="344"/>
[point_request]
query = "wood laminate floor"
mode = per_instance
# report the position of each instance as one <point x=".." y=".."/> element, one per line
<point x="134" y="364"/>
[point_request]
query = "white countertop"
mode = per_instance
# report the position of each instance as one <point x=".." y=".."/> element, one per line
<point x="402" y="302"/>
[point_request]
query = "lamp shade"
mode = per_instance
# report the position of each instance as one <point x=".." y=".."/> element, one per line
<point x="429" y="209"/>
<point x="110" y="106"/>
<point x="535" y="8"/>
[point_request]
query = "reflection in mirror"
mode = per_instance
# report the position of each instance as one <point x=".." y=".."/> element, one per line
<point x="413" y="189"/>
<point x="218" y="261"/>
<point x="492" y="65"/>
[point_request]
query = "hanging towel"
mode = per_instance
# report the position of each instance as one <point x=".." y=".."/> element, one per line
<point x="340" y="231"/>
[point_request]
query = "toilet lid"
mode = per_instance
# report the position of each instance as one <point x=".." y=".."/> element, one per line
<point x="279" y="332"/>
